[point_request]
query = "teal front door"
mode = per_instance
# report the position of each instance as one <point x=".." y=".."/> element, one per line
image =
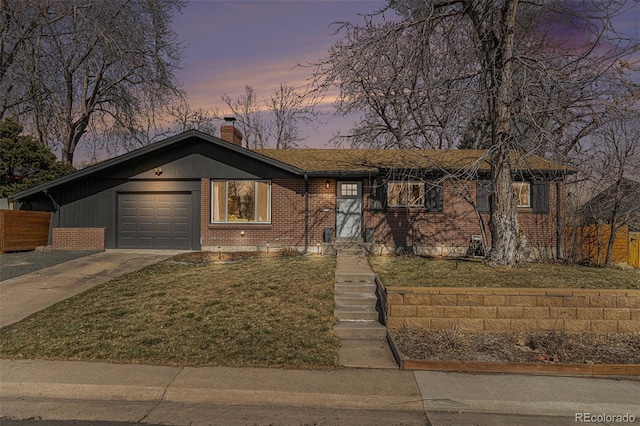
<point x="349" y="210"/>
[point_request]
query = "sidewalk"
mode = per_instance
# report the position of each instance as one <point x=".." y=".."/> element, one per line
<point x="99" y="391"/>
<point x="145" y="388"/>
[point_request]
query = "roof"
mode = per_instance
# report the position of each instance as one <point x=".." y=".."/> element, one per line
<point x="368" y="160"/>
<point x="181" y="138"/>
<point x="600" y="207"/>
<point x="322" y="162"/>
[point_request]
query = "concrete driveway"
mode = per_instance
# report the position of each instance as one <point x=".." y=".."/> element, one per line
<point x="32" y="292"/>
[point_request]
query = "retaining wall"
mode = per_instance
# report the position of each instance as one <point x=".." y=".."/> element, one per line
<point x="498" y="310"/>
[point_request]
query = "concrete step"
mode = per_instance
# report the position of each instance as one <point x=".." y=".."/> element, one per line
<point x="360" y="287"/>
<point x="355" y="313"/>
<point x="366" y="353"/>
<point x="350" y="251"/>
<point x="355" y="299"/>
<point x="360" y="330"/>
<point x="355" y="277"/>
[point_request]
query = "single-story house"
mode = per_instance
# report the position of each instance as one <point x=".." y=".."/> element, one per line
<point x="199" y="192"/>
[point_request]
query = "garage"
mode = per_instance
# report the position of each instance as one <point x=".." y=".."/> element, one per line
<point x="154" y="220"/>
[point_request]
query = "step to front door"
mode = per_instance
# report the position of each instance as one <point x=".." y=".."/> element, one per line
<point x="360" y="330"/>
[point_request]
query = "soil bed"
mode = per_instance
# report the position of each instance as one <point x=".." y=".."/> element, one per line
<point x="541" y="346"/>
<point x="204" y="257"/>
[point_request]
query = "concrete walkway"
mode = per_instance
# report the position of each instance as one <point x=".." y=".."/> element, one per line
<point x="363" y="342"/>
<point x="32" y="292"/>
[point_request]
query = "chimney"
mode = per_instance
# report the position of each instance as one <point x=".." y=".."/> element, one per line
<point x="229" y="133"/>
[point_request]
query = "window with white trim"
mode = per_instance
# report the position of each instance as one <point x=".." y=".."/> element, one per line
<point x="523" y="193"/>
<point x="244" y="201"/>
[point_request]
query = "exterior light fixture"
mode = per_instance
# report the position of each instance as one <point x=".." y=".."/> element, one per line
<point x="327" y="184"/>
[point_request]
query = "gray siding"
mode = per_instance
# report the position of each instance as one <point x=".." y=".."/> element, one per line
<point x="92" y="201"/>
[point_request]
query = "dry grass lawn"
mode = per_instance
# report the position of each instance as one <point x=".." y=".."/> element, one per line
<point x="269" y="312"/>
<point x="414" y="271"/>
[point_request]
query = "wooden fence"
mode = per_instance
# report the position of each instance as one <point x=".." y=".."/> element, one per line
<point x="634" y="249"/>
<point x="22" y="230"/>
<point x="588" y="244"/>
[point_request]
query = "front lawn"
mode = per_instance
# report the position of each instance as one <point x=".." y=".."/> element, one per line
<point x="268" y="312"/>
<point x="413" y="271"/>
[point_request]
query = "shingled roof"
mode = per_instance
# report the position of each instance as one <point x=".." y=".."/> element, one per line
<point x="368" y="160"/>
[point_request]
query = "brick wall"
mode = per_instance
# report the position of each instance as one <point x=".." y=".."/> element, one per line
<point x="78" y="238"/>
<point x="500" y="310"/>
<point x="446" y="233"/>
<point x="449" y="232"/>
<point x="287" y="225"/>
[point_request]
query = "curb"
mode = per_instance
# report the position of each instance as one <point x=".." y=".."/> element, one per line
<point x="530" y="368"/>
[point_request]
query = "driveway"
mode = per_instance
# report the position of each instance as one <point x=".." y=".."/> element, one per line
<point x="15" y="264"/>
<point x="29" y="293"/>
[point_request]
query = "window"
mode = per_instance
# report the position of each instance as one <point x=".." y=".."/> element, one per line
<point x="241" y="201"/>
<point x="347" y="189"/>
<point x="523" y="194"/>
<point x="407" y="194"/>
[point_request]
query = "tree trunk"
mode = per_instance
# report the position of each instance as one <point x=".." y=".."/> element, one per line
<point x="503" y="222"/>
<point x="614" y="219"/>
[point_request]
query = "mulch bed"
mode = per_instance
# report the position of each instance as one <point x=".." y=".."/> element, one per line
<point x="535" y="347"/>
<point x="204" y="257"/>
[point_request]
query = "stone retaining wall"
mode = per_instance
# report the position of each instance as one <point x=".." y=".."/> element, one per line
<point x="498" y="310"/>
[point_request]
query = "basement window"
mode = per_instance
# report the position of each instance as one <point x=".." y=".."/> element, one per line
<point x="243" y="201"/>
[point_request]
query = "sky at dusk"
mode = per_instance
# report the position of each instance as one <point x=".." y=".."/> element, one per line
<point x="231" y="44"/>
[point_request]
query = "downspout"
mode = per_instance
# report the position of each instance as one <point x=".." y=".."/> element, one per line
<point x="306" y="214"/>
<point x="558" y="222"/>
<point x="56" y="207"/>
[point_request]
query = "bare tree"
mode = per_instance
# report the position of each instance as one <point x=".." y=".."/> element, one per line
<point x="516" y="86"/>
<point x="186" y="118"/>
<point x="88" y="67"/>
<point x="275" y="121"/>
<point x="613" y="161"/>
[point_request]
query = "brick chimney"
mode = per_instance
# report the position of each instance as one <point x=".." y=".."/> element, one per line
<point x="229" y="133"/>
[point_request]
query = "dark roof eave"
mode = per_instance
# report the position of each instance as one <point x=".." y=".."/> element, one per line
<point x="164" y="144"/>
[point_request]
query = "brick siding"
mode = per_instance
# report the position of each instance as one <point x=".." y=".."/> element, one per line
<point x="287" y="217"/>
<point x="78" y="239"/>
<point x="500" y="310"/>
<point x="446" y="233"/>
<point x="449" y="232"/>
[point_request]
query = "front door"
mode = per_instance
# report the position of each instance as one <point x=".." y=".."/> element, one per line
<point x="349" y="210"/>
